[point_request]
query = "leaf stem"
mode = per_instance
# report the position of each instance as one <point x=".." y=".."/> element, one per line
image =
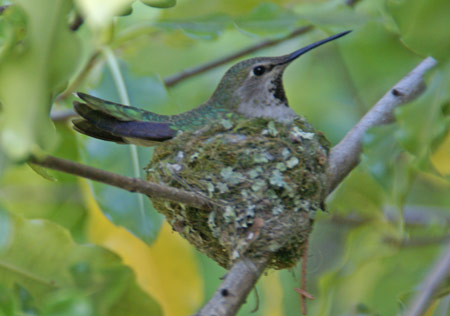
<point x="124" y="99"/>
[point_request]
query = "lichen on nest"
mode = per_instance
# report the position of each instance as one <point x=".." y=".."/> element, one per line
<point x="266" y="178"/>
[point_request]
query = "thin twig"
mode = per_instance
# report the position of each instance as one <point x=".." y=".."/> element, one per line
<point x="437" y="275"/>
<point x="151" y="189"/>
<point x="234" y="289"/>
<point x="176" y="78"/>
<point x="345" y="155"/>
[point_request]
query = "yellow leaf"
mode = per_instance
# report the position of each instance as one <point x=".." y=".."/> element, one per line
<point x="441" y="157"/>
<point x="273" y="295"/>
<point x="166" y="270"/>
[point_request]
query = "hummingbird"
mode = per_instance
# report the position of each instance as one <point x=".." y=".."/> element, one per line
<point x="251" y="88"/>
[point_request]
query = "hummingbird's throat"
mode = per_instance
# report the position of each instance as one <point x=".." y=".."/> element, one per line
<point x="277" y="90"/>
<point x="268" y="102"/>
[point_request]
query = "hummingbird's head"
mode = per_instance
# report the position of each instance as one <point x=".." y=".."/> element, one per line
<point x="254" y="87"/>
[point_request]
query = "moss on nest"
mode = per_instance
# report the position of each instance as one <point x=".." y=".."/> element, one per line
<point x="267" y="179"/>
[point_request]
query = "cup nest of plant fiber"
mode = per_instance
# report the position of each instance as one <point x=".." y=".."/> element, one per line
<point x="266" y="180"/>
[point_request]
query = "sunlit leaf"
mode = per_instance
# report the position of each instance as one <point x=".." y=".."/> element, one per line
<point x="99" y="13"/>
<point x="37" y="63"/>
<point x="441" y="157"/>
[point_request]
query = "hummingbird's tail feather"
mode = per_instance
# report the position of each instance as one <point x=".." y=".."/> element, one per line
<point x="101" y="124"/>
<point x="120" y="111"/>
<point x="84" y="127"/>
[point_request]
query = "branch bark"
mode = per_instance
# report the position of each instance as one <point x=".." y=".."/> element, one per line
<point x="151" y="189"/>
<point x="234" y="289"/>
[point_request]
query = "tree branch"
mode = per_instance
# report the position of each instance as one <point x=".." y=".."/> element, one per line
<point x="437" y="275"/>
<point x="234" y="289"/>
<point x="190" y="72"/>
<point x="151" y="189"/>
<point x="345" y="155"/>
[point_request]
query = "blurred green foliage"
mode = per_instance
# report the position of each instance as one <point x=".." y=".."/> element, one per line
<point x="386" y="223"/>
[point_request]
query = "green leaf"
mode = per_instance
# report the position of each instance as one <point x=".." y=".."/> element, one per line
<point x="162" y="4"/>
<point x="37" y="62"/>
<point x="42" y="172"/>
<point x="331" y="14"/>
<point x="206" y="27"/>
<point x="46" y="199"/>
<point x="267" y="19"/>
<point x="59" y="274"/>
<point x="68" y="303"/>
<point x="423" y="25"/>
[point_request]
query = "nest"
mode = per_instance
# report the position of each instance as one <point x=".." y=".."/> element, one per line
<point x="266" y="179"/>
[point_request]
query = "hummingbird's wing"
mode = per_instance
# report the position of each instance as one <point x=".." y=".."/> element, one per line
<point x="119" y="123"/>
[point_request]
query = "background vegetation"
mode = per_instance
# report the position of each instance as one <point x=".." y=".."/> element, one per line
<point x="72" y="247"/>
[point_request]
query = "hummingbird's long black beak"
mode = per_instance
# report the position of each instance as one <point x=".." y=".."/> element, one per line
<point x="301" y="51"/>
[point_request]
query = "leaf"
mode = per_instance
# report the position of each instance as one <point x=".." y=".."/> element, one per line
<point x="267" y="19"/>
<point x="42" y="172"/>
<point x="206" y="27"/>
<point x="39" y="58"/>
<point x="331" y="14"/>
<point x="441" y="157"/>
<point x="423" y="25"/>
<point x="162" y="4"/>
<point x="99" y="13"/>
<point x="43" y="259"/>
<point x="60" y="202"/>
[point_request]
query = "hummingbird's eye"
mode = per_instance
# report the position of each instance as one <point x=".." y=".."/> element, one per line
<point x="259" y="70"/>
